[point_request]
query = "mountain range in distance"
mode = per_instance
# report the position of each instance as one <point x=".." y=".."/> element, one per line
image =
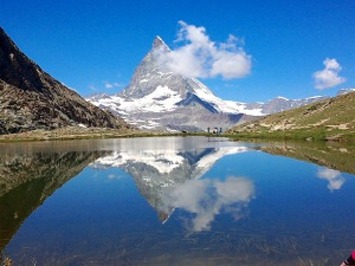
<point x="159" y="99"/>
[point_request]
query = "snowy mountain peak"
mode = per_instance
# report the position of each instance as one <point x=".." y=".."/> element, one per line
<point x="158" y="42"/>
<point x="153" y="75"/>
<point x="158" y="98"/>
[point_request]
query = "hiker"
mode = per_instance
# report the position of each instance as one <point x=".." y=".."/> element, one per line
<point x="350" y="260"/>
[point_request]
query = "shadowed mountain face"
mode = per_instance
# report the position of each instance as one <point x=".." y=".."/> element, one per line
<point x="31" y="99"/>
<point x="28" y="179"/>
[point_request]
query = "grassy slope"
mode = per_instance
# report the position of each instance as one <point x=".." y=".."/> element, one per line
<point x="330" y="119"/>
<point x="68" y="133"/>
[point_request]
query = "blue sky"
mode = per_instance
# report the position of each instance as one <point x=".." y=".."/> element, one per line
<point x="293" y="46"/>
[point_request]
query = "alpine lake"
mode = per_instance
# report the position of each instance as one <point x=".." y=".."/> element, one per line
<point x="176" y="201"/>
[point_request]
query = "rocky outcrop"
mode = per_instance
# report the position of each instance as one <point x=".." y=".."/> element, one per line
<point x="31" y="99"/>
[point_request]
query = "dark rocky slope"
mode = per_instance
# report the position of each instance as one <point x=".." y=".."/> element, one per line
<point x="31" y="99"/>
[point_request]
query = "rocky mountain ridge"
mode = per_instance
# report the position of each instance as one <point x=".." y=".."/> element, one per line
<point x="31" y="99"/>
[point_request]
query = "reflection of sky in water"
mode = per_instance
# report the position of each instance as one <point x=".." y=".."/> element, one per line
<point x="222" y="205"/>
<point x="207" y="198"/>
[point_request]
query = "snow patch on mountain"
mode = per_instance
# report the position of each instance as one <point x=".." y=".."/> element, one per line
<point x="160" y="100"/>
<point x="223" y="106"/>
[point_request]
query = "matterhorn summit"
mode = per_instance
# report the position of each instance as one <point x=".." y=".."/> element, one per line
<point x="148" y="74"/>
<point x="158" y="98"/>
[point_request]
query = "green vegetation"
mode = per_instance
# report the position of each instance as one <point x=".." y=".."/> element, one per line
<point x="332" y="119"/>
<point x="333" y="155"/>
<point x="69" y="133"/>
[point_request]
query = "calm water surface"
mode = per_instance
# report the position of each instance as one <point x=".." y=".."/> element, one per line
<point x="176" y="201"/>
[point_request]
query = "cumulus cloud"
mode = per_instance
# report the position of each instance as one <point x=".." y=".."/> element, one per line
<point x="334" y="178"/>
<point x="329" y="76"/>
<point x="200" y="57"/>
<point x="207" y="198"/>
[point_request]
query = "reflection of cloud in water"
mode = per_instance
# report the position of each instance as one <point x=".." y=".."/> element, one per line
<point x="114" y="177"/>
<point x="334" y="178"/>
<point x="172" y="166"/>
<point x="206" y="198"/>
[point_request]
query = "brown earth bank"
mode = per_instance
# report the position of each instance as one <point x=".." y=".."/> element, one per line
<point x="68" y="133"/>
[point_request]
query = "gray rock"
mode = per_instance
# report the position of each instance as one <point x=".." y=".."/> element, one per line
<point x="31" y="99"/>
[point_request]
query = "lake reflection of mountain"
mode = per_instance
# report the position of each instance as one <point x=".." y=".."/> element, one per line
<point x="162" y="171"/>
<point x="228" y="204"/>
<point x="28" y="178"/>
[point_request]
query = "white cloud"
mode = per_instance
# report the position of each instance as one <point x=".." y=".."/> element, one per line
<point x="329" y="76"/>
<point x="112" y="177"/>
<point x="334" y="178"/>
<point x="110" y="85"/>
<point x="200" y="57"/>
<point x="225" y="65"/>
<point x="206" y="198"/>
